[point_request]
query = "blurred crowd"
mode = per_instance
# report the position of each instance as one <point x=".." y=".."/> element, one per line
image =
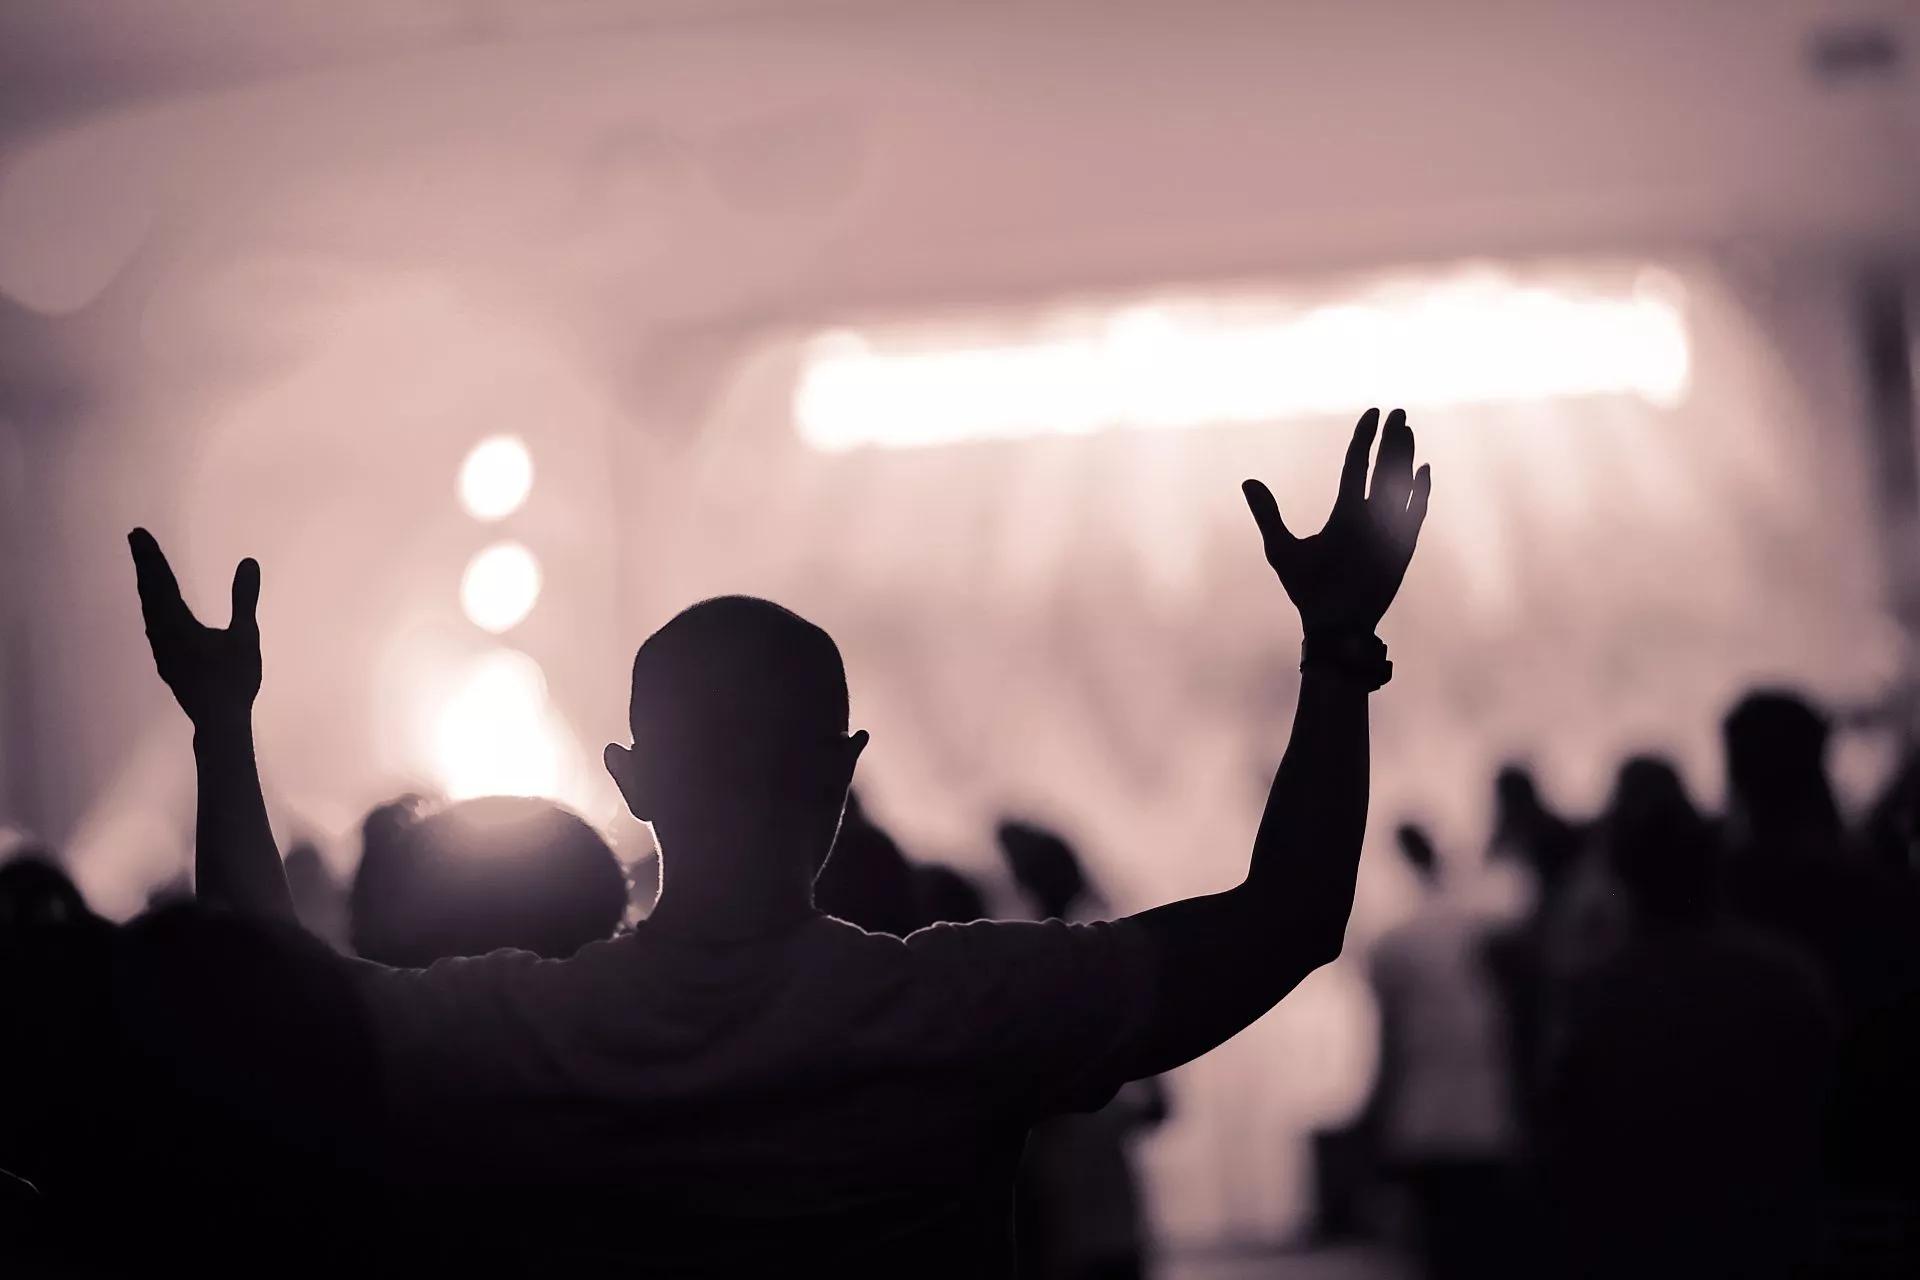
<point x="1697" y="1043"/>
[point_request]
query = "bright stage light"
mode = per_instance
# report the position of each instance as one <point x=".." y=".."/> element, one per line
<point x="496" y="478"/>
<point x="500" y="586"/>
<point x="1197" y="362"/>
<point x="495" y="735"/>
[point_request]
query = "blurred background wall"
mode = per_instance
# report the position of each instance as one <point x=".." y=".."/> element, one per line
<point x="269" y="273"/>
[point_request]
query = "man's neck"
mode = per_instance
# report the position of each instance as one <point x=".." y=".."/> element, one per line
<point x="731" y="920"/>
<point x="714" y="892"/>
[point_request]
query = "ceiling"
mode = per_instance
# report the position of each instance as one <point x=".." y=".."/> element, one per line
<point x="672" y="166"/>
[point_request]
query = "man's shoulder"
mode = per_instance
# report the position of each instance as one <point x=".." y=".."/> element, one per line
<point x="1020" y="950"/>
<point x="951" y="936"/>
<point x="838" y="951"/>
<point x="831" y="931"/>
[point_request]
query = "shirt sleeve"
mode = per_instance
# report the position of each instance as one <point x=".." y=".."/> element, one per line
<point x="1047" y="1014"/>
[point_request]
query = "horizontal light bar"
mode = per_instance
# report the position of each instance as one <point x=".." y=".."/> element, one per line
<point x="1189" y="363"/>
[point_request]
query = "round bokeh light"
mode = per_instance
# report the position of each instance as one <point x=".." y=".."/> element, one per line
<point x="500" y="586"/>
<point x="496" y="478"/>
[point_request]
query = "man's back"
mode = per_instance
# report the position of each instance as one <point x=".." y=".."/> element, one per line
<point x="819" y="1091"/>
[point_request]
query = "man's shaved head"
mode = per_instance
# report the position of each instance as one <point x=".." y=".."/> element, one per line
<point x="741" y="757"/>
<point x="737" y="678"/>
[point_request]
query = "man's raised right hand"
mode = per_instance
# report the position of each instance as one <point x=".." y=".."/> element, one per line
<point x="1343" y="578"/>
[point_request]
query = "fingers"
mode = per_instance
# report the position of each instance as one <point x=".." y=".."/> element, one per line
<point x="246" y="597"/>
<point x="1266" y="514"/>
<point x="160" y="601"/>
<point x="1393" y="468"/>
<point x="1353" y="476"/>
<point x="1417" y="507"/>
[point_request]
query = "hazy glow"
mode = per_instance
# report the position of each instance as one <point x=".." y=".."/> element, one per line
<point x="495" y="735"/>
<point x="1217" y="361"/>
<point x="496" y="478"/>
<point x="500" y="586"/>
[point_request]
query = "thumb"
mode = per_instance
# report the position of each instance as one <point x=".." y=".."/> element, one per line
<point x="246" y="596"/>
<point x="1266" y="514"/>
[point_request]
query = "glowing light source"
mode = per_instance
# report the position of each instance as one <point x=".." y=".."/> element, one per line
<point x="500" y="586"/>
<point x="495" y="734"/>
<point x="1195" y="362"/>
<point x="496" y="478"/>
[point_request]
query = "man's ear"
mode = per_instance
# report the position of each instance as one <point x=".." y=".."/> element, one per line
<point x="844" y="757"/>
<point x="625" y="772"/>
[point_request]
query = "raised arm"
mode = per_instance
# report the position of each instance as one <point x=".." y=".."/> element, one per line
<point x="1225" y="959"/>
<point x="214" y="676"/>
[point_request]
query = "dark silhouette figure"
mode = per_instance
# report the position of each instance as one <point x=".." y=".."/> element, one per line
<point x="1527" y="957"/>
<point x="1045" y="867"/>
<point x="1793" y="870"/>
<point x="1659" y="848"/>
<point x="56" y="1022"/>
<point x="1528" y="831"/>
<point x="1681" y="1130"/>
<point x="193" y="1067"/>
<point x="1417" y="851"/>
<point x="56" y="1025"/>
<point x="319" y="899"/>
<point x="943" y="895"/>
<point x="253" y="1071"/>
<point x="743" y="1080"/>
<point x="1079" y="1208"/>
<point x="1442" y="1113"/>
<point x="868" y="880"/>
<point x="480" y="875"/>
<point x="1892" y="827"/>
<point x="36" y="893"/>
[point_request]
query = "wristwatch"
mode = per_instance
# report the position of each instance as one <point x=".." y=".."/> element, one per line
<point x="1359" y="657"/>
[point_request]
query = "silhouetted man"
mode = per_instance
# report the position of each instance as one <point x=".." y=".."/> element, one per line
<point x="749" y="1083"/>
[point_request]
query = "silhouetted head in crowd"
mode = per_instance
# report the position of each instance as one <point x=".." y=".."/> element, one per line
<point x="1525" y="828"/>
<point x="319" y="899"/>
<point x="36" y="893"/>
<point x="1892" y="827"/>
<point x="501" y="871"/>
<point x="868" y="880"/>
<point x="741" y="761"/>
<point x="307" y="873"/>
<point x="1417" y="848"/>
<point x="1658" y="845"/>
<point x="1777" y="785"/>
<point x="1045" y="867"/>
<point x="1516" y="799"/>
<point x="946" y="896"/>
